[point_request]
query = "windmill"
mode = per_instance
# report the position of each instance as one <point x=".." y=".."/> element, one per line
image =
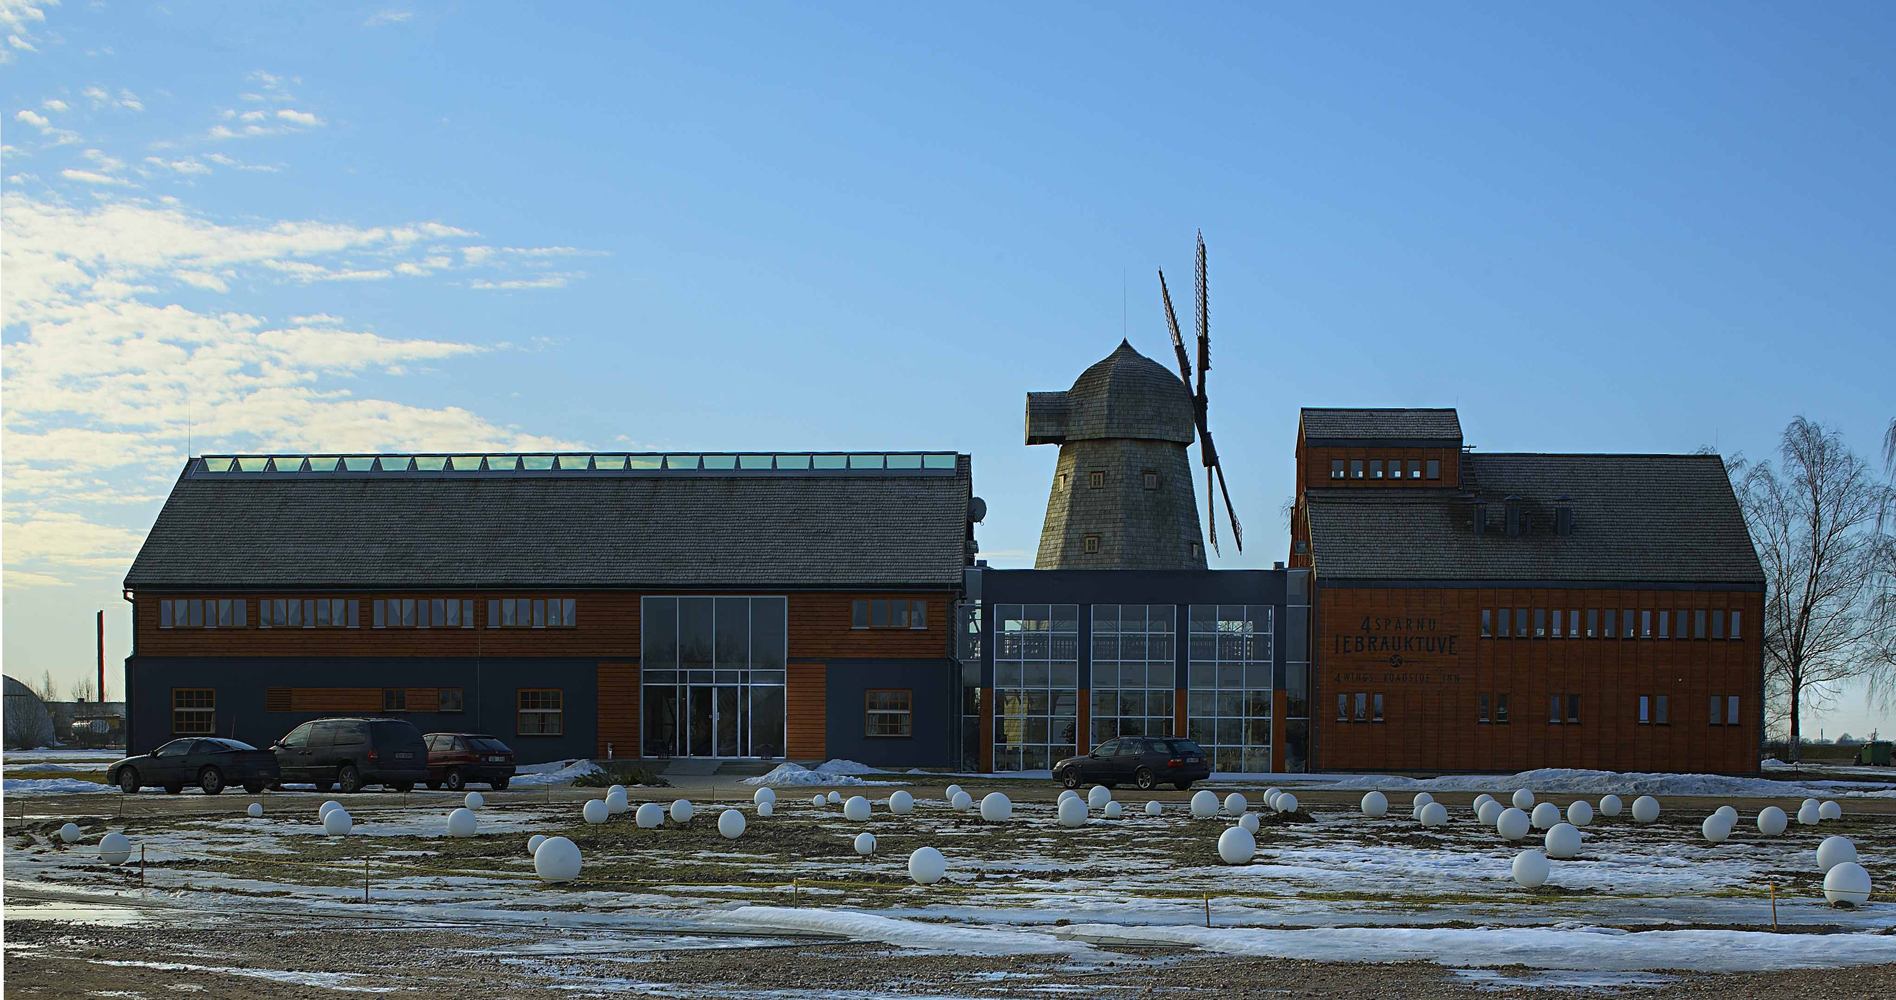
<point x="1207" y="452"/>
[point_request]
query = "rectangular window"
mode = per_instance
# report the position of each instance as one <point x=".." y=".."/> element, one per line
<point x="1731" y="710"/>
<point x="1553" y="631"/>
<point x="888" y="713"/>
<point x="1336" y="468"/>
<point x="1435" y="468"/>
<point x="1362" y="706"/>
<point x="509" y="612"/>
<point x="1378" y="717"/>
<point x="1540" y="623"/>
<point x="1573" y="623"/>
<point x="1502" y="619"/>
<point x="1520" y="623"/>
<point x="1698" y="624"/>
<point x="1680" y="632"/>
<point x="1356" y="468"/>
<point x="223" y="613"/>
<point x="493" y="614"/>
<point x="1659" y="710"/>
<point x="1096" y="480"/>
<point x="355" y="613"/>
<point x="569" y="612"/>
<point x="1718" y="624"/>
<point x="1626" y="624"/>
<point x="323" y="616"/>
<point x="1718" y="711"/>
<point x="1151" y="480"/>
<point x="1593" y="623"/>
<point x="1089" y="544"/>
<point x="1500" y="708"/>
<point x="879" y="614"/>
<point x="1553" y="709"/>
<point x="1610" y="630"/>
<point x="394" y="699"/>
<point x="1481" y="708"/>
<point x="1734" y="625"/>
<point x="898" y="614"/>
<point x="164" y="614"/>
<point x="1485" y="616"/>
<point x="453" y="612"/>
<point x="193" y="711"/>
<point x="1645" y="711"/>
<point x="540" y="712"/>
<point x="858" y="614"/>
<point x="1573" y="710"/>
<point x="1415" y="468"/>
<point x="1375" y="468"/>
<point x="539" y="613"/>
<point x="197" y="613"/>
<point x="1645" y="624"/>
<point x="1342" y="708"/>
<point x="296" y="613"/>
<point x="451" y="700"/>
<point x="1663" y="615"/>
<point x="381" y="614"/>
<point x="918" y="614"/>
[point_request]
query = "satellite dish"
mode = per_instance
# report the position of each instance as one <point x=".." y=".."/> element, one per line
<point x="977" y="510"/>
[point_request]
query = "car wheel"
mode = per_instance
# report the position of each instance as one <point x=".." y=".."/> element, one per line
<point x="1070" y="777"/>
<point x="254" y="788"/>
<point x="403" y="787"/>
<point x="1145" y="779"/>
<point x="500" y="784"/>
<point x="1181" y="785"/>
<point x="128" y="780"/>
<point x="455" y="780"/>
<point x="434" y="784"/>
<point x="348" y="779"/>
<point x="174" y="789"/>
<point x="211" y="780"/>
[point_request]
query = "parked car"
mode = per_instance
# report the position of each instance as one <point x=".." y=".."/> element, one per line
<point x="353" y="753"/>
<point x="1146" y="761"/>
<point x="454" y="759"/>
<point x="209" y="762"/>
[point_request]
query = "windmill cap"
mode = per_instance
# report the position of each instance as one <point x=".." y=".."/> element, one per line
<point x="1126" y="395"/>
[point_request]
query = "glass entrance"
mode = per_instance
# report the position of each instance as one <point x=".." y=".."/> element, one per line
<point x="713" y="671"/>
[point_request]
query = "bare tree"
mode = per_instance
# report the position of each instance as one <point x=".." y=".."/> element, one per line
<point x="47" y="689"/>
<point x="1815" y="523"/>
<point x="81" y="690"/>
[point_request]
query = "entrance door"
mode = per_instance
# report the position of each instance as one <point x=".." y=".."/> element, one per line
<point x="725" y="707"/>
<point x="703" y="721"/>
<point x="715" y="721"/>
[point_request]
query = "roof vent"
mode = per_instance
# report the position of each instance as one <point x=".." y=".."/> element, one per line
<point x="1516" y="522"/>
<point x="1481" y="516"/>
<point x="1563" y="515"/>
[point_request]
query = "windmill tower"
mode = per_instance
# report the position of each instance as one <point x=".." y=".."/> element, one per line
<point x="1122" y="488"/>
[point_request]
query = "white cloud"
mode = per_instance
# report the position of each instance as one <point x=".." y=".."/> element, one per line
<point x="53" y="104"/>
<point x="318" y="319"/>
<point x="102" y="98"/>
<point x="201" y="279"/>
<point x="549" y="281"/>
<point x="20" y="19"/>
<point x="303" y="118"/>
<point x="90" y="177"/>
<point x="188" y="165"/>
<point x="32" y="118"/>
<point x="388" y="17"/>
<point x="104" y="162"/>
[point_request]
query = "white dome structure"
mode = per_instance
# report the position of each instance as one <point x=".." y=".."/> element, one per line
<point x="835" y="798"/>
<point x="996" y="808"/>
<point x="763" y="795"/>
<point x="1833" y="852"/>
<point x="1645" y="809"/>
<point x="1375" y="804"/>
<point x="461" y="822"/>
<point x="255" y="810"/>
<point x="1531" y="869"/>
<point x="1204" y="805"/>
<point x="949" y="792"/>
<point x="767" y="809"/>
<point x="1154" y="808"/>
<point x="1489" y="812"/>
<point x="70" y="833"/>
<point x="1562" y="841"/>
<point x="1072" y="812"/>
<point x="1847" y="884"/>
<point x="1610" y="805"/>
<point x="927" y="866"/>
<point x="615" y="800"/>
<point x="1249" y="822"/>
<point x="1807" y="813"/>
<point x="962" y="800"/>
<point x="1112" y="811"/>
<point x="323" y="810"/>
<point x="1479" y="799"/>
<point x="1730" y="814"/>
<point x="1512" y="824"/>
<point x="557" y="860"/>
<point x="1286" y="802"/>
<point x="1236" y="846"/>
<point x="1236" y="804"/>
<point x="1097" y="797"/>
<point x="1421" y="799"/>
<point x="1715" y="829"/>
<point x="856" y="810"/>
<point x="818" y="800"/>
<point x="534" y="842"/>
<point x="731" y="824"/>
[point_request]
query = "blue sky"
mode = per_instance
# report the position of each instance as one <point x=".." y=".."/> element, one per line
<point x="758" y="226"/>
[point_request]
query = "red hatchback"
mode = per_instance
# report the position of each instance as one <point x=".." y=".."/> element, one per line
<point x="455" y="759"/>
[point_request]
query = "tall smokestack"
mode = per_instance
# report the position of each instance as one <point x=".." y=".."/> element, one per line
<point x="101" y="621"/>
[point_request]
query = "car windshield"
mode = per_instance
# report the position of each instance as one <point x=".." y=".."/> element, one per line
<point x="487" y="744"/>
<point x="393" y="733"/>
<point x="1181" y="747"/>
<point x="230" y="744"/>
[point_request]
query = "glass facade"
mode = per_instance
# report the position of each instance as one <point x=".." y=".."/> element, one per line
<point x="1133" y="687"/>
<point x="713" y="673"/>
<point x="1036" y="684"/>
<point x="1228" y="681"/>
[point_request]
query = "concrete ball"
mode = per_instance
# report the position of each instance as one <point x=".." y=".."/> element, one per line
<point x="534" y="842"/>
<point x="1489" y="812"/>
<point x="856" y="810"/>
<point x="1065" y="794"/>
<point x="1807" y="813"/>
<point x="1847" y="884"/>
<point x="681" y="811"/>
<point x="1286" y="802"/>
<point x="1097" y="797"/>
<point x="1715" y="829"/>
<point x="835" y="798"/>
<point x="70" y="833"/>
<point x="1523" y="799"/>
<point x="1154" y="808"/>
<point x="650" y="816"/>
<point x="1249" y="822"/>
<point x="1531" y="869"/>
<point x="818" y="800"/>
<point x="615" y="788"/>
<point x="949" y="792"/>
<point x="323" y="810"/>
<point x="115" y="849"/>
<point x="1272" y="793"/>
<point x="763" y="795"/>
<point x="1562" y="841"/>
<point x="1512" y="824"/>
<point x="1072" y="812"/>
<point x="1270" y="799"/>
<point x="1434" y="814"/>
<point x="255" y="810"/>
<point x="1835" y="851"/>
<point x="730" y="824"/>
<point x="962" y="801"/>
<point x="927" y="866"/>
<point x="1236" y="846"/>
<point x="1421" y="799"/>
<point x="461" y="822"/>
<point x="1609" y="805"/>
<point x="1375" y="804"/>
<point x="1479" y="799"/>
<point x="767" y="809"/>
<point x="338" y="823"/>
<point x="1545" y="815"/>
<point x="1579" y="813"/>
<point x="1772" y="821"/>
<point x="1828" y="810"/>
<point x="901" y="803"/>
<point x="595" y="811"/>
<point x="1645" y="809"/>
<point x="557" y="860"/>
<point x="1236" y="804"/>
<point x="996" y="808"/>
<point x="865" y="844"/>
<point x="1113" y="810"/>
<point x="616" y="802"/>
<point x="475" y="800"/>
<point x="1204" y="805"/>
<point x="1730" y="814"/>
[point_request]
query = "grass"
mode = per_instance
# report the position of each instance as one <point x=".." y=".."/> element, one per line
<point x="94" y="776"/>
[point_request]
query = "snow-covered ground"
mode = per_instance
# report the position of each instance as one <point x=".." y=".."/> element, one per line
<point x="1573" y="781"/>
<point x="829" y="774"/>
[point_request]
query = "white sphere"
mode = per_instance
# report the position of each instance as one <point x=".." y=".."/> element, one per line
<point x="1829" y="810"/>
<point x="474" y="800"/>
<point x="1153" y="808"/>
<point x="1072" y="812"/>
<point x="1286" y="802"/>
<point x="949" y="792"/>
<point x="1771" y="821"/>
<point x="1848" y="883"/>
<point x="323" y="810"/>
<point x="1728" y="814"/>
<point x="996" y="808"/>
<point x="595" y="811"/>
<point x="1113" y="810"/>
<point x="1065" y="794"/>
<point x="1609" y="805"/>
<point x="1523" y="799"/>
<point x="255" y="810"/>
<point x="1489" y="812"/>
<point x="1807" y="813"/>
<point x="1375" y="804"/>
<point x="1715" y="829"/>
<point x="818" y="800"/>
<point x="730" y="824"/>
<point x="1236" y="846"/>
<point x="865" y="844"/>
<point x="650" y="816"/>
<point x="767" y="809"/>
<point x="1645" y="809"/>
<point x="856" y="810"/>
<point x="1545" y="815"/>
<point x="1434" y="814"/>
<point x="615" y="788"/>
<point x="927" y="866"/>
<point x="835" y="798"/>
<point x="461" y="823"/>
<point x="1272" y="793"/>
<point x="1236" y="804"/>
<point x="115" y="849"/>
<point x="1097" y="797"/>
<point x="1835" y="851"/>
<point x="557" y="860"/>
<point x="1511" y="824"/>
<point x="70" y="833"/>
<point x="962" y="800"/>
<point x="1579" y="813"/>
<point x="1479" y="799"/>
<point x="1562" y="841"/>
<point x="338" y="823"/>
<point x="1248" y="821"/>
<point x="615" y="800"/>
<point x="901" y="803"/>
<point x="1421" y="799"/>
<point x="1531" y="869"/>
<point x="681" y="811"/>
<point x="763" y="795"/>
<point x="1270" y="799"/>
<point x="534" y="842"/>
<point x="1204" y="805"/>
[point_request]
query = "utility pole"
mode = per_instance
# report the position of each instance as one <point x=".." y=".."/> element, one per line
<point x="101" y="623"/>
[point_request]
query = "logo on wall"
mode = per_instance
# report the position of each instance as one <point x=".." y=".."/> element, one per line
<point x="1413" y="645"/>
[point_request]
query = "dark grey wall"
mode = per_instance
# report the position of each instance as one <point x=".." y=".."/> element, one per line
<point x="935" y="684"/>
<point x="489" y="684"/>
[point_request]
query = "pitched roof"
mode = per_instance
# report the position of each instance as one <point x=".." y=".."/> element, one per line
<point x="1124" y="395"/>
<point x="667" y="530"/>
<point x="1326" y="423"/>
<point x="1637" y="518"/>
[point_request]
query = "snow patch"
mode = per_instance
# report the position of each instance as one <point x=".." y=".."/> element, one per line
<point x="559" y="772"/>
<point x="52" y="786"/>
<point x="788" y="775"/>
<point x="912" y="934"/>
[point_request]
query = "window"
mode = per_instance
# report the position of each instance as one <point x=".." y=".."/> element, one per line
<point x="1501" y="709"/>
<point x="1718" y="711"/>
<point x="1540" y="623"/>
<point x="1554" y="630"/>
<point x="304" y="612"/>
<point x="1573" y="710"/>
<point x="1645" y="624"/>
<point x="1415" y="468"/>
<point x="539" y="712"/>
<point x="887" y="713"/>
<point x="394" y="699"/>
<point x="198" y="612"/>
<point x="1731" y="710"/>
<point x="1718" y="624"/>
<point x="1063" y="481"/>
<point x="1645" y="710"/>
<point x="451" y="700"/>
<point x="193" y="711"/>
<point x="1378" y="717"/>
<point x="886" y="613"/>
<point x="1356" y="468"/>
<point x="1342" y="708"/>
<point x="1573" y="623"/>
<point x="1698" y="624"/>
<point x="521" y="612"/>
<point x="1571" y="703"/>
<point x="1036" y="685"/>
<point x="1151" y="480"/>
<point x="1096" y="480"/>
<point x="1435" y="468"/>
<point x="1734" y="625"/>
<point x="1520" y="623"/>
<point x="1610" y="630"/>
<point x="1375" y="468"/>
<point x="1090" y="544"/>
<point x="1485" y="616"/>
<point x="1362" y="706"/>
<point x="1481" y="707"/>
<point x="1659" y="713"/>
<point x="1133" y="685"/>
<point x="1229" y="689"/>
<point x="1626" y="623"/>
<point x="1553" y="709"/>
<point x="1593" y="623"/>
<point x="1336" y="468"/>
<point x="1663" y="615"/>
<point x="1503" y="619"/>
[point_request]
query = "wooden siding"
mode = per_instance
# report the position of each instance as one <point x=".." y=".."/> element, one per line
<point x="332" y="700"/>
<point x="619" y="710"/>
<point x="806" y="708"/>
<point x="1432" y="662"/>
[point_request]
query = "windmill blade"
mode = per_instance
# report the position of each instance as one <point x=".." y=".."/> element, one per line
<point x="1171" y="323"/>
<point x="1237" y="530"/>
<point x="1211" y="511"/>
<point x="1204" y="319"/>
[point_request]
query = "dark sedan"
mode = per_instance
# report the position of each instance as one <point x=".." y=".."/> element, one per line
<point x="1146" y="761"/>
<point x="209" y="762"/>
<point x="454" y="759"/>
